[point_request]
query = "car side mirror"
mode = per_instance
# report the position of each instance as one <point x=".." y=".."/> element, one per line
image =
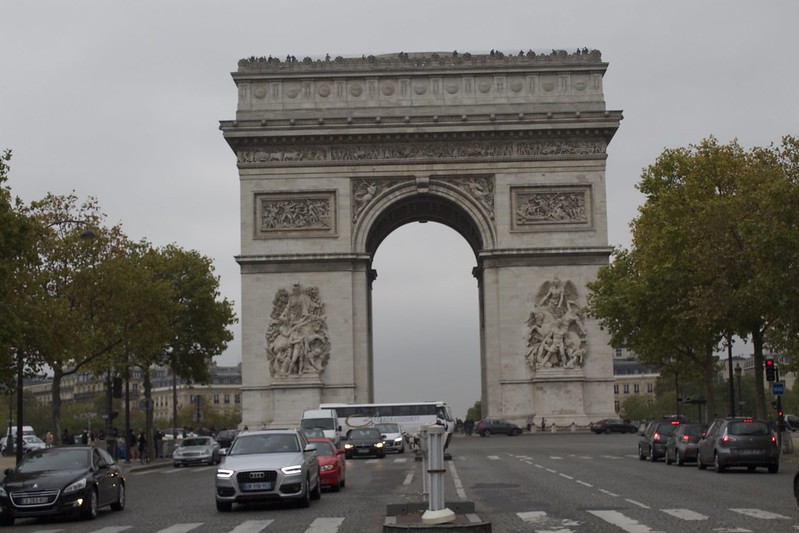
<point x="222" y="451"/>
<point x="383" y="437"/>
<point x="339" y="451"/>
<point x="310" y="447"/>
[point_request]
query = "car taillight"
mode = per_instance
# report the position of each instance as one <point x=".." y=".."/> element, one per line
<point x="656" y="436"/>
<point x="773" y="439"/>
<point x="686" y="438"/>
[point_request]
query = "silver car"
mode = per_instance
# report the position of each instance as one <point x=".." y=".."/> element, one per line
<point x="196" y="451"/>
<point x="267" y="466"/>
<point x="392" y="434"/>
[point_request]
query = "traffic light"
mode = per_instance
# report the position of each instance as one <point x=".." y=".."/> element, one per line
<point x="771" y="370"/>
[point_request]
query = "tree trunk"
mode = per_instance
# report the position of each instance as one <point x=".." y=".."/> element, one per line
<point x="148" y="413"/>
<point x="55" y="398"/>
<point x="760" y="395"/>
<point x="709" y="371"/>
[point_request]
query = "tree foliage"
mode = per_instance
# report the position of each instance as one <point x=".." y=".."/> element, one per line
<point x="714" y="254"/>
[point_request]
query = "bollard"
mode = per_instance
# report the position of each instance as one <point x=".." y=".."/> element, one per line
<point x="436" y="513"/>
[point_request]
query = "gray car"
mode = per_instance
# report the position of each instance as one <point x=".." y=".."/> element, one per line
<point x="744" y="442"/>
<point x="392" y="435"/>
<point x="270" y="465"/>
<point x="196" y="451"/>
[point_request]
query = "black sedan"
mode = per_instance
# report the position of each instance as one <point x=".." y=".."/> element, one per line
<point x="612" y="425"/>
<point x="65" y="480"/>
<point x="489" y="426"/>
<point x="363" y="442"/>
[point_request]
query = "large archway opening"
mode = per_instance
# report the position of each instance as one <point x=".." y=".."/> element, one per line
<point x="425" y="317"/>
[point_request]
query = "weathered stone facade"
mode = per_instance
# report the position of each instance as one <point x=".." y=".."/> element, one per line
<point x="508" y="150"/>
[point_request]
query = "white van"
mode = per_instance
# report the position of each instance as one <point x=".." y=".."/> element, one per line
<point x="325" y="420"/>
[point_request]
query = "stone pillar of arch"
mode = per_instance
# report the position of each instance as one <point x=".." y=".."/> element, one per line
<point x="508" y="150"/>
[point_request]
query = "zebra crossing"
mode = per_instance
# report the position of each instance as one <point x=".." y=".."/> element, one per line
<point x="538" y="521"/>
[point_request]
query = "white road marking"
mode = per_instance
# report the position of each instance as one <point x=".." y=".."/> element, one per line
<point x="551" y="471"/>
<point x="325" y="525"/>
<point x="473" y="518"/>
<point x="400" y="459"/>
<point x="566" y="476"/>
<point x="555" y="457"/>
<point x="685" y="514"/>
<point x="639" y="504"/>
<point x="539" y="466"/>
<point x="621" y="521"/>
<point x="611" y="457"/>
<point x="181" y="528"/>
<point x="494" y="457"/>
<point x="371" y="461"/>
<point x="609" y="493"/>
<point x="759" y="513"/>
<point x="408" y="479"/>
<point x="533" y="517"/>
<point x="584" y="483"/>
<point x="251" y="526"/>
<point x="113" y="529"/>
<point x="457" y="480"/>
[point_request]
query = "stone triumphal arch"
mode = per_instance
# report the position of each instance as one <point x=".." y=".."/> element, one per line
<point x="334" y="154"/>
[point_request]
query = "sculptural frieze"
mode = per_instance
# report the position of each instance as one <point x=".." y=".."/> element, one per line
<point x="481" y="188"/>
<point x="297" y="342"/>
<point x="282" y="212"/>
<point x="510" y="150"/>
<point x="556" y="335"/>
<point x="366" y="190"/>
<point x="551" y="207"/>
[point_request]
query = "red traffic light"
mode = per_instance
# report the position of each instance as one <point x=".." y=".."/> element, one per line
<point x="769" y="362"/>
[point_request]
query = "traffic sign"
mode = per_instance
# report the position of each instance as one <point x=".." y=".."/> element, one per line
<point x="777" y="388"/>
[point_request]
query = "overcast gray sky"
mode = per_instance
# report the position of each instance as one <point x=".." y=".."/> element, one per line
<point x="121" y="101"/>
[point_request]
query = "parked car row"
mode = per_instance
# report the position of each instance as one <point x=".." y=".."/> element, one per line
<point x="727" y="442"/>
<point x="612" y="425"/>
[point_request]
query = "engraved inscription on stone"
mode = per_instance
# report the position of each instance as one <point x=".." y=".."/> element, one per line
<point x="557" y="337"/>
<point x="279" y="213"/>
<point x="568" y="207"/>
<point x="297" y="342"/>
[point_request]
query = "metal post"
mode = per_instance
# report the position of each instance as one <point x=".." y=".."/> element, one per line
<point x="127" y="407"/>
<point x="740" y="392"/>
<point x="436" y="513"/>
<point x="20" y="375"/>
<point x="174" y="406"/>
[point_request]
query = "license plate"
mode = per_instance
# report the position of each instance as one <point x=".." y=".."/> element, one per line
<point x="751" y="452"/>
<point x="34" y="501"/>
<point x="256" y="486"/>
<point x="363" y="451"/>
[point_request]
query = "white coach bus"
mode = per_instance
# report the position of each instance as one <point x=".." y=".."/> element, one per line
<point x="412" y="416"/>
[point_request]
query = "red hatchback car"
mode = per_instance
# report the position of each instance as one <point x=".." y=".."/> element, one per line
<point x="332" y="466"/>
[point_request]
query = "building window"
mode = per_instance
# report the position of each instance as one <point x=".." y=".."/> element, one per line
<point x="615" y="389"/>
<point x="236" y="398"/>
<point x="650" y="388"/>
<point x="618" y="352"/>
<point x="626" y="389"/>
<point x="227" y="398"/>
<point x="216" y="398"/>
<point x="636" y="388"/>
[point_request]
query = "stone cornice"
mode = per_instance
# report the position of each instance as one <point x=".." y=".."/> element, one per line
<point x="427" y="61"/>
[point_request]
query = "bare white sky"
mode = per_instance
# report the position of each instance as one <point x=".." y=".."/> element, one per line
<point x="121" y="100"/>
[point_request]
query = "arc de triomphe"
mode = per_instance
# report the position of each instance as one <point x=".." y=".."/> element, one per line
<point x="334" y="154"/>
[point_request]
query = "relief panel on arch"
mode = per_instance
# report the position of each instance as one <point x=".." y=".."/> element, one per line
<point x="551" y="208"/>
<point x="295" y="214"/>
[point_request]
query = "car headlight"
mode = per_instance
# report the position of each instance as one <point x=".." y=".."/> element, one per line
<point x="398" y="441"/>
<point x="347" y="446"/>
<point x="379" y="445"/>
<point x="78" y="485"/>
<point x="325" y="468"/>
<point x="292" y="470"/>
<point x="224" y="473"/>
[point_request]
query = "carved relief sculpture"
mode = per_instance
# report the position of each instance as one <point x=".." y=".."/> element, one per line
<point x="557" y="335"/>
<point x="292" y="214"/>
<point x="366" y="190"/>
<point x="552" y="207"/>
<point x="481" y="188"/>
<point x="297" y="343"/>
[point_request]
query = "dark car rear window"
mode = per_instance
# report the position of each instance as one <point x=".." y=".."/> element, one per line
<point x="748" y="429"/>
<point x="694" y="431"/>
<point x="667" y="429"/>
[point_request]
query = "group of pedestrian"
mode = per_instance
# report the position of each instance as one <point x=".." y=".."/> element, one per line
<point x="464" y="427"/>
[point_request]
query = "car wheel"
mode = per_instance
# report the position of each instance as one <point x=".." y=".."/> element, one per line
<point x="90" y="511"/>
<point x="305" y="500"/>
<point x="176" y="465"/>
<point x="773" y="468"/>
<point x="641" y="455"/>
<point x="680" y="459"/>
<point x="751" y="468"/>
<point x="317" y="491"/>
<point x="652" y="456"/>
<point x="515" y="432"/>
<point x="120" y="503"/>
<point x="224" y="507"/>
<point x="485" y="433"/>
<point x="343" y="482"/>
<point x="607" y="431"/>
<point x="7" y="520"/>
<point x="402" y="449"/>
<point x="717" y="464"/>
<point x="668" y="460"/>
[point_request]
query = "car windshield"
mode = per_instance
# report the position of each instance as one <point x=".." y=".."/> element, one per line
<point x="31" y="438"/>
<point x="324" y="448"/>
<point x="748" y="429"/>
<point x="366" y="433"/>
<point x="387" y="428"/>
<point x="55" y="459"/>
<point x="195" y="442"/>
<point x="667" y="429"/>
<point x="319" y="423"/>
<point x="272" y="443"/>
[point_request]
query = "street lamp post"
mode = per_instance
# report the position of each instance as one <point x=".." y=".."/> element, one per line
<point x="738" y="371"/>
<point x="729" y="367"/>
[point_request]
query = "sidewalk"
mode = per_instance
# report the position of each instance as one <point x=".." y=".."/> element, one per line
<point x="10" y="461"/>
